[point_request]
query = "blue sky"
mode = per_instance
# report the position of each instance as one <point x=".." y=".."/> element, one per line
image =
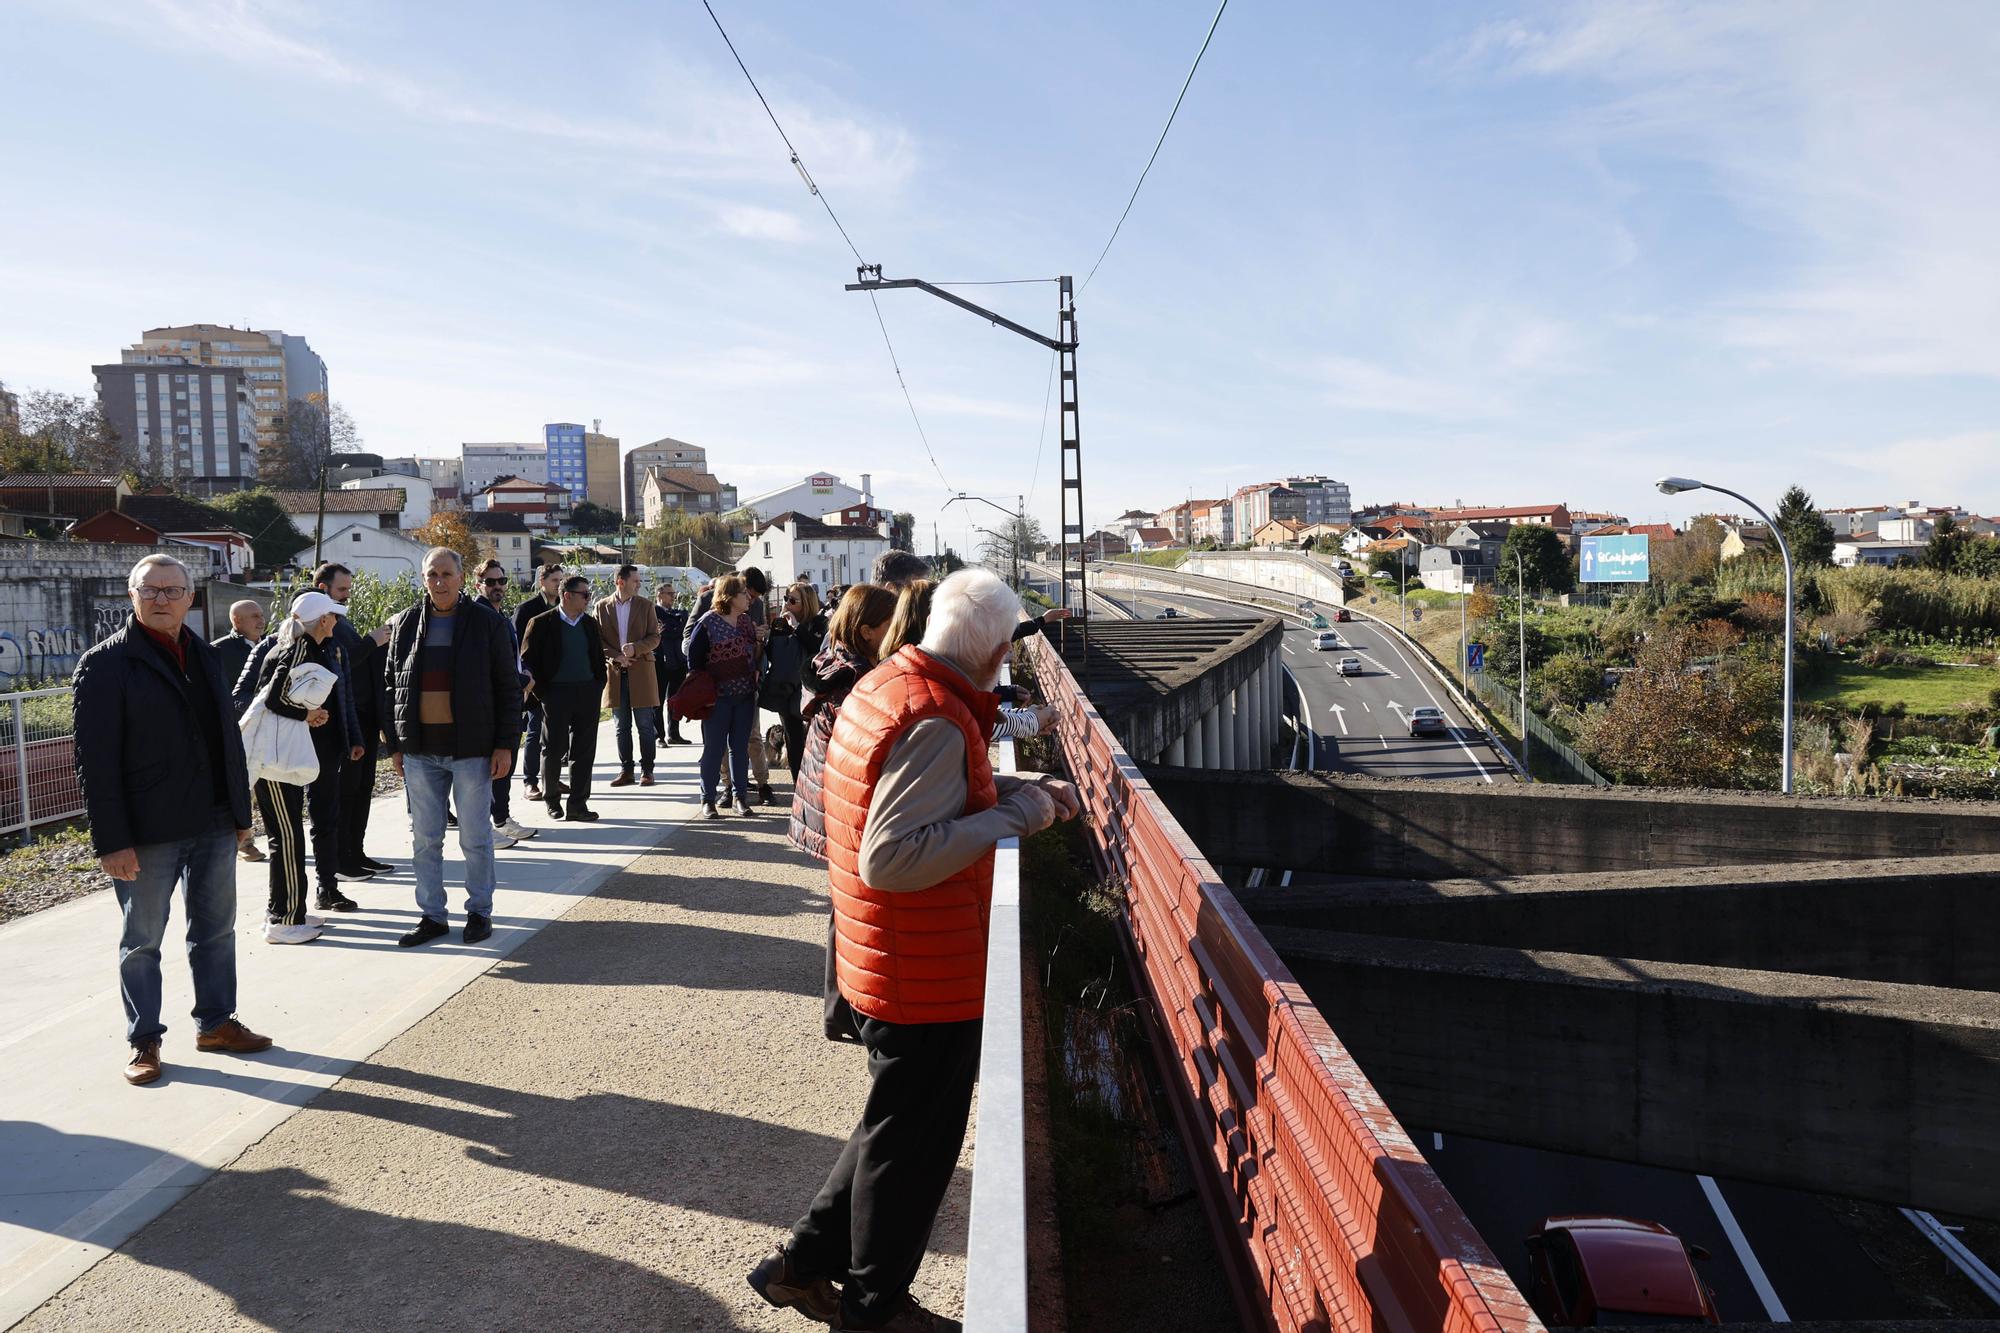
<point x="1484" y="253"/>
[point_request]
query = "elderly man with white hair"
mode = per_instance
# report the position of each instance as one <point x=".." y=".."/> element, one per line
<point x="246" y="627"/>
<point x="913" y="809"/>
<point x="165" y="788"/>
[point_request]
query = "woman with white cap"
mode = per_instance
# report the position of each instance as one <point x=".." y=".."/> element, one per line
<point x="283" y="804"/>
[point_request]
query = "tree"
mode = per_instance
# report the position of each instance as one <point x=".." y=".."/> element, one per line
<point x="1806" y="530"/>
<point x="701" y="540"/>
<point x="1388" y="562"/>
<point x="1022" y="535"/>
<point x="904" y="530"/>
<point x="448" y="527"/>
<point x="1692" y="557"/>
<point x="1569" y="680"/>
<point x="1979" y="558"/>
<point x="1947" y="545"/>
<point x="274" y="538"/>
<point x="1673" y="724"/>
<point x="311" y="433"/>
<point x="63" y="432"/>
<point x="1543" y="559"/>
<point x="589" y="516"/>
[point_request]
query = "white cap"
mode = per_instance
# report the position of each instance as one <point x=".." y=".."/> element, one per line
<point x="310" y="606"/>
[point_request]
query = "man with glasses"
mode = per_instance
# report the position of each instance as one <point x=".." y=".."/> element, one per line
<point x="246" y="627"/>
<point x="454" y="694"/>
<point x="565" y="657"/>
<point x="507" y="830"/>
<point x="166" y="791"/>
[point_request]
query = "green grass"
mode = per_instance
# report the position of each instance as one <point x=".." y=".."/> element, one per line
<point x="1943" y="754"/>
<point x="1926" y="691"/>
<point x="1168" y="559"/>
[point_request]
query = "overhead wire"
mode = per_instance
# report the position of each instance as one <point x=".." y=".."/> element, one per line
<point x="1048" y="396"/>
<point x="1185" y="83"/>
<point x="799" y="163"/>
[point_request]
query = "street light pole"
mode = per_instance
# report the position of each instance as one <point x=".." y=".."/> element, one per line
<point x="1521" y="615"/>
<point x="1675" y="485"/>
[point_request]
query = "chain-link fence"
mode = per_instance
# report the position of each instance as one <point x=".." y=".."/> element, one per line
<point x="1550" y="757"/>
<point x="38" y="783"/>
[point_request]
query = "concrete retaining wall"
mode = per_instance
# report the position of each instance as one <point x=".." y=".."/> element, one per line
<point x="1278" y="570"/>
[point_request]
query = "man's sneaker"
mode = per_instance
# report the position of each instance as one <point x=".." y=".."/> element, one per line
<point x="906" y="1317"/>
<point x="428" y="929"/>
<point x="355" y="874"/>
<point x="743" y="806"/>
<point x="379" y="867"/>
<point x="145" y="1064"/>
<point x="303" y="933"/>
<point x="335" y="902"/>
<point x="248" y="851"/>
<point x="774" y="1280"/>
<point x="516" y="830"/>
<point x="231" y="1036"/>
<point x="624" y="779"/>
<point x="708" y="810"/>
<point x="501" y="842"/>
<point x="477" y="927"/>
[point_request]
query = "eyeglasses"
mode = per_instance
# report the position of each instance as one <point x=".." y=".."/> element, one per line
<point x="791" y="601"/>
<point x="493" y="583"/>
<point x="440" y="573"/>
<point x="149" y="593"/>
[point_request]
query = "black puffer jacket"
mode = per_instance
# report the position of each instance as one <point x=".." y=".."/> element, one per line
<point x="835" y="672"/>
<point x="485" y="680"/>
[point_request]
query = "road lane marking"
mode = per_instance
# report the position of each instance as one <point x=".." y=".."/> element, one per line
<point x="1340" y="716"/>
<point x="1774" y="1308"/>
<point x="1426" y="686"/>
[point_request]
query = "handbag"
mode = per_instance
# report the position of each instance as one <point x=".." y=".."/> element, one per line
<point x="695" y="699"/>
<point x="280" y="749"/>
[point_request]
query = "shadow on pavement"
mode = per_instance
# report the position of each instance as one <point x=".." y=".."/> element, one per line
<point x="669" y="953"/>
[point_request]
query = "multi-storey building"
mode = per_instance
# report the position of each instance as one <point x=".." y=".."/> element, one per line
<point x="276" y="365"/>
<point x="816" y="494"/>
<point x="1212" y="521"/>
<point x="663" y="452"/>
<point x="670" y="490"/>
<point x="10" y="410"/>
<point x="600" y="469"/>
<point x="484" y="464"/>
<point x="563" y="442"/>
<point x="446" y="476"/>
<point x="1254" y="506"/>
<point x="191" y="425"/>
<point x="1326" y="500"/>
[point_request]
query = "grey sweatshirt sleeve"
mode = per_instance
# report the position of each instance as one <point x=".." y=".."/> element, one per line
<point x="917" y="833"/>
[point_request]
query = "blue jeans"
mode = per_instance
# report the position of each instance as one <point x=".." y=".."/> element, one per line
<point x="728" y="726"/>
<point x="429" y="779"/>
<point x="531" y="764"/>
<point x="208" y="863"/>
<point x="649" y="734"/>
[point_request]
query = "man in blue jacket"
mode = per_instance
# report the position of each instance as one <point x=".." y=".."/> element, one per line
<point x="165" y="789"/>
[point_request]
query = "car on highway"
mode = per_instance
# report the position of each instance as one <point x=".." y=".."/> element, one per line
<point x="1342" y="615"/>
<point x="1429" y="722"/>
<point x="1326" y="639"/>
<point x="1616" y="1272"/>
<point x="1170" y="613"/>
<point x="1348" y="666"/>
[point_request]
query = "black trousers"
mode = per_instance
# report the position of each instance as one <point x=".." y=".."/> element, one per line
<point x="666" y="726"/>
<point x="871" y="1222"/>
<point x="795" y="729"/>
<point x="284" y="808"/>
<point x="357" y="796"/>
<point x="569" y="731"/>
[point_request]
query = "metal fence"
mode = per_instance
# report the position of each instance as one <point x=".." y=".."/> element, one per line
<point x="1550" y="755"/>
<point x="38" y="782"/>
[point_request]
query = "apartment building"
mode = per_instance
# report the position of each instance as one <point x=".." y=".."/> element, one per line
<point x="484" y="464"/>
<point x="276" y="365"/>
<point x="663" y="452"/>
<point x="1326" y="500"/>
<point x="193" y="426"/>
<point x="1255" y="506"/>
<point x="677" y="490"/>
<point x="600" y="470"/>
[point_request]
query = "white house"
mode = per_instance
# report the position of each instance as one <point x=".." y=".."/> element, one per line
<point x="793" y="547"/>
<point x="418" y="495"/>
<point x="820" y="493"/>
<point x="384" y="552"/>
<point x="1876" y="551"/>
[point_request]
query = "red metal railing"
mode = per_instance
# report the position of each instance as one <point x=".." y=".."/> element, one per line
<point x="1345" y="1226"/>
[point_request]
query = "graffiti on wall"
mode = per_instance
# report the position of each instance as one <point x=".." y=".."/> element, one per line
<point x="52" y="650"/>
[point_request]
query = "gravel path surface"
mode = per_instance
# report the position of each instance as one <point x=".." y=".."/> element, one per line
<point x="606" y="1131"/>
<point x="53" y="869"/>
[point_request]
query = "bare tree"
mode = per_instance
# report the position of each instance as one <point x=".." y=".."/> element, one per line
<point x="74" y="427"/>
<point x="311" y="434"/>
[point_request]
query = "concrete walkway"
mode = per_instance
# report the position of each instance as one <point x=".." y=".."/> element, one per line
<point x="599" y="1118"/>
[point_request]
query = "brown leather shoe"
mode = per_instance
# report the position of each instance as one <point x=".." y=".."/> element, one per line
<point x="774" y="1280"/>
<point x="231" y="1036"/>
<point x="645" y="779"/>
<point x="622" y="780"/>
<point x="145" y="1066"/>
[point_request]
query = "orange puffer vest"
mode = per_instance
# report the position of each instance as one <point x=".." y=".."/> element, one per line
<point x="916" y="957"/>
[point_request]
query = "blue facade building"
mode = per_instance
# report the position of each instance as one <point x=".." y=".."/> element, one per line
<point x="566" y="459"/>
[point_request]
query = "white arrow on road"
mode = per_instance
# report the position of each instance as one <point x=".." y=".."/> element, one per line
<point x="1340" y="716"/>
<point x="1398" y="707"/>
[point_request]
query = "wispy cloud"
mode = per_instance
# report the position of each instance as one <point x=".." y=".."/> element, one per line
<point x="1856" y="136"/>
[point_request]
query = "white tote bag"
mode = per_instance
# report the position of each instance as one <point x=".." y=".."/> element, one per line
<point x="280" y="749"/>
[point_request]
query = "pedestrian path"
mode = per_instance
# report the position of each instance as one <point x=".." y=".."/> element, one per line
<point x="594" y="1121"/>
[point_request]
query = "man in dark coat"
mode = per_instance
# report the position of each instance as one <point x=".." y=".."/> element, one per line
<point x="246" y="627"/>
<point x="454" y="719"/>
<point x="567" y="670"/>
<point x="547" y="598"/>
<point x="165" y="789"/>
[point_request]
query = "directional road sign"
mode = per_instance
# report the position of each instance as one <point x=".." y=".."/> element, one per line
<point x="1613" y="560"/>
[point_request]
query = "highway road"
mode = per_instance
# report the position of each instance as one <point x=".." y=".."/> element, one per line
<point x="1776" y="1253"/>
<point x="1360" y="723"/>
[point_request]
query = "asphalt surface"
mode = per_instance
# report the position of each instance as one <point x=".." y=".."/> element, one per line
<point x="1359" y="723"/>
<point x="1780" y="1255"/>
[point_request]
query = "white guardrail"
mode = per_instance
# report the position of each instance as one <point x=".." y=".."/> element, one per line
<point x="38" y="782"/>
<point x="996" y="1242"/>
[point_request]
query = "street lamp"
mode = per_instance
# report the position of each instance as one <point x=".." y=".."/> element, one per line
<point x="1020" y="522"/>
<point x="1674" y="486"/>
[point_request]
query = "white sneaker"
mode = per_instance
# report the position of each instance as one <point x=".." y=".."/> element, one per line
<point x="516" y="830"/>
<point x="304" y="934"/>
<point x="501" y="841"/>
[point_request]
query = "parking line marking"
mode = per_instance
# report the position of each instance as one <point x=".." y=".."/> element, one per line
<point x="1773" y="1307"/>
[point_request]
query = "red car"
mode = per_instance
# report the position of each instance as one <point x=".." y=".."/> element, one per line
<point x="1616" y="1272"/>
<point x="1342" y="614"/>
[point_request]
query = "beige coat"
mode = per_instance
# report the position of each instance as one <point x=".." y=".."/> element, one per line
<point x="643" y="632"/>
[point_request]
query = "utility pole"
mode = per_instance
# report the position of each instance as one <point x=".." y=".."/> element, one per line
<point x="1521" y="614"/>
<point x="1064" y="344"/>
